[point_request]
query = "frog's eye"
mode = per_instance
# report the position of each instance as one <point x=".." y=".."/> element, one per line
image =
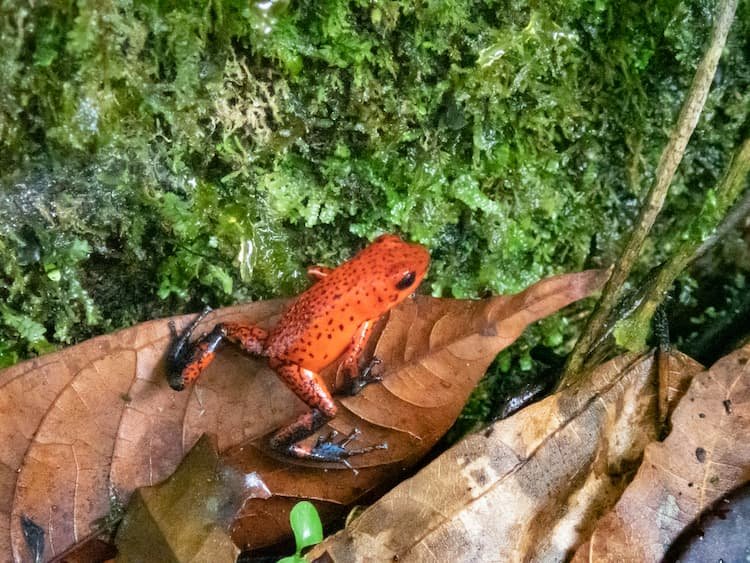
<point x="407" y="280"/>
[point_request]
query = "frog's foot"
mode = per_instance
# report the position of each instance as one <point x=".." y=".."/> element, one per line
<point x="329" y="449"/>
<point x="180" y="354"/>
<point x="356" y="384"/>
<point x="187" y="360"/>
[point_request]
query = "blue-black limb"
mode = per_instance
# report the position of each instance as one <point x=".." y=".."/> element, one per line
<point x="33" y="533"/>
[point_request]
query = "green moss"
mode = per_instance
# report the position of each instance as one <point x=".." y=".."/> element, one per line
<point x="160" y="155"/>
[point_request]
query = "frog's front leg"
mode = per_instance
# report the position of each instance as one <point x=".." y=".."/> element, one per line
<point x="317" y="273"/>
<point x="354" y="380"/>
<point x="186" y="360"/>
<point x="308" y="386"/>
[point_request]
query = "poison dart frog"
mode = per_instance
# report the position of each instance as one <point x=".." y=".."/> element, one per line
<point x="333" y="317"/>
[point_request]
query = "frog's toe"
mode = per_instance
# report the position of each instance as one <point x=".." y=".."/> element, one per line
<point x="331" y="449"/>
<point x="177" y="383"/>
<point x="368" y="375"/>
<point x="322" y="439"/>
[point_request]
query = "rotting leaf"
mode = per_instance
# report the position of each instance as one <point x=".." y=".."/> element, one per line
<point x="99" y="416"/>
<point x="91" y="549"/>
<point x="528" y="488"/>
<point x="706" y="455"/>
<point x="187" y="517"/>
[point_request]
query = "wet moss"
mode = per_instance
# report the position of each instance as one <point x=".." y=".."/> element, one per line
<point x="159" y="155"/>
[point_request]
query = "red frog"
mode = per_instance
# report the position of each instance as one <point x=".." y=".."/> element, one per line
<point x="334" y="317"/>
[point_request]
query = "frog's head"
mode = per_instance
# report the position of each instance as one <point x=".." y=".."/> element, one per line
<point x="398" y="268"/>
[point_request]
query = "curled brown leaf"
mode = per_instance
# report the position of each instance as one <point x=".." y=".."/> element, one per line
<point x="99" y="417"/>
<point x="528" y="488"/>
<point x="706" y="455"/>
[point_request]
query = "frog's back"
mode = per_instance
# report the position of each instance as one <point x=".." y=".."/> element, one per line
<point x="320" y="324"/>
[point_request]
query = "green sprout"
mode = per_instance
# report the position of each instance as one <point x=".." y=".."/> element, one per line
<point x="307" y="528"/>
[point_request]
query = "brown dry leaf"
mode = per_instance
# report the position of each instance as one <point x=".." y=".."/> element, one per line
<point x="99" y="417"/>
<point x="528" y="488"/>
<point x="706" y="455"/>
<point x="719" y="534"/>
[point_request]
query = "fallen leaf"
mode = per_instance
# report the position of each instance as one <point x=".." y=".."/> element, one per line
<point x="434" y="352"/>
<point x="706" y="455"/>
<point x="720" y="534"/>
<point x="530" y="487"/>
<point x="186" y="518"/>
<point x="99" y="417"/>
<point x="94" y="549"/>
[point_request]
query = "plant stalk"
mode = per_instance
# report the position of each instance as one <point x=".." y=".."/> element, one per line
<point x="670" y="158"/>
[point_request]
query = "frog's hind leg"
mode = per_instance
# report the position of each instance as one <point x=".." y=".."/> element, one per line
<point x="308" y="387"/>
<point x="186" y="361"/>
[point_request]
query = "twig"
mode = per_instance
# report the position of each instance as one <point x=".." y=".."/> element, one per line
<point x="689" y="249"/>
<point x="670" y="158"/>
<point x="740" y="211"/>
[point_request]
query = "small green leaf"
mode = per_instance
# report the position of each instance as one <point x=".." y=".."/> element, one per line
<point x="218" y="277"/>
<point x="54" y="274"/>
<point x="78" y="250"/>
<point x="44" y="56"/>
<point x="27" y="328"/>
<point x="554" y="338"/>
<point x="525" y="361"/>
<point x="306" y="525"/>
